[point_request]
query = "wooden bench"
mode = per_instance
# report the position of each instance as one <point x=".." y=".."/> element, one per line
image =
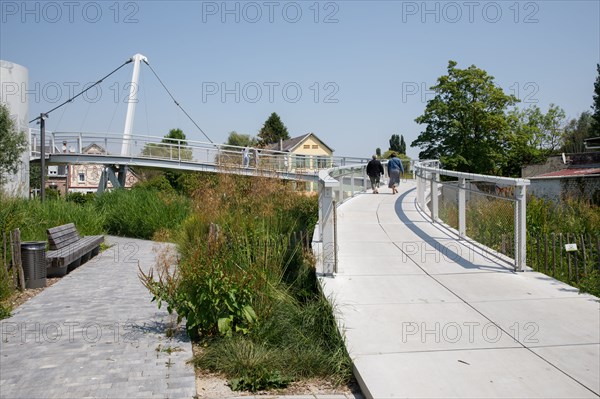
<point x="67" y="249"/>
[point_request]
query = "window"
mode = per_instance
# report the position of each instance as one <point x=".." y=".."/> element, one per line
<point x="315" y="147"/>
<point x="300" y="161"/>
<point x="81" y="177"/>
<point x="306" y="146"/>
<point x="322" y="162"/>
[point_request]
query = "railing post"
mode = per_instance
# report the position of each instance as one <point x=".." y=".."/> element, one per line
<point x="419" y="187"/>
<point x="434" y="197"/>
<point x="520" y="227"/>
<point x="462" y="207"/>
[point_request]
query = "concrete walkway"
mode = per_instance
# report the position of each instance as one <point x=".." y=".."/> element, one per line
<point x="425" y="315"/>
<point x="96" y="334"/>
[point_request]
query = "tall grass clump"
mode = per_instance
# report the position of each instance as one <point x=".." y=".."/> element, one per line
<point x="576" y="221"/>
<point x="490" y="222"/>
<point x="33" y="218"/>
<point x="140" y="213"/>
<point x="248" y="290"/>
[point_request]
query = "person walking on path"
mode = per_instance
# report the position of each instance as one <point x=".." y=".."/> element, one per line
<point x="394" y="169"/>
<point x="374" y="171"/>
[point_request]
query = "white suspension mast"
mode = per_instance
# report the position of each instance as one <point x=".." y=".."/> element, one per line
<point x="132" y="102"/>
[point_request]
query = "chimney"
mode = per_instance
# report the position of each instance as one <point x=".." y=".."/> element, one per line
<point x="280" y="144"/>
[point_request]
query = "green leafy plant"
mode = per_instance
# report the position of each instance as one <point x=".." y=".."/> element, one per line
<point x="259" y="381"/>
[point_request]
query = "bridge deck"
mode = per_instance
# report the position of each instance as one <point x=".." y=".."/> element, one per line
<point x="426" y="315"/>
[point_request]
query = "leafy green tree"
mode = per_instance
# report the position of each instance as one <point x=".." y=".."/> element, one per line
<point x="172" y="146"/>
<point x="395" y="143"/>
<point x="595" y="127"/>
<point x="175" y="136"/>
<point x="241" y="140"/>
<point x="273" y="130"/>
<point x="35" y="178"/>
<point x="533" y="137"/>
<point x="575" y="133"/>
<point x="12" y="144"/>
<point x="466" y="122"/>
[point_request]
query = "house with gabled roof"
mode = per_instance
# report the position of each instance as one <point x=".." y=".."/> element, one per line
<point x="306" y="153"/>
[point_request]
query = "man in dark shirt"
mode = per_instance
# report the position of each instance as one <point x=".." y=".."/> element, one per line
<point x="374" y="171"/>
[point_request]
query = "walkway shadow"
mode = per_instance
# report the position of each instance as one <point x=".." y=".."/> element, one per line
<point x="450" y="254"/>
<point x="157" y="327"/>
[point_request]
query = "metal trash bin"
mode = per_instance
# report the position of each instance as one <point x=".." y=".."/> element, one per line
<point x="33" y="259"/>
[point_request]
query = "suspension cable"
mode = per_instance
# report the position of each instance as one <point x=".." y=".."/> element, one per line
<point x="177" y="103"/>
<point x="77" y="95"/>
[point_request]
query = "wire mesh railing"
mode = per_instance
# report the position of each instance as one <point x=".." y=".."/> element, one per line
<point x="488" y="209"/>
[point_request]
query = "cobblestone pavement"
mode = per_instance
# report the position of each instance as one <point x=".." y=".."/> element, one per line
<point x="96" y="334"/>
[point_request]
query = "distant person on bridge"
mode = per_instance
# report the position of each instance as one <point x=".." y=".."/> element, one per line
<point x="374" y="171"/>
<point x="256" y="155"/>
<point x="246" y="156"/>
<point x="394" y="169"/>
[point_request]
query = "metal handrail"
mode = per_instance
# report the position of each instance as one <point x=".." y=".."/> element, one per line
<point x="428" y="182"/>
<point x="153" y="147"/>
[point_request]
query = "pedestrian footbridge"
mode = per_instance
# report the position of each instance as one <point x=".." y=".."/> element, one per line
<point x="427" y="311"/>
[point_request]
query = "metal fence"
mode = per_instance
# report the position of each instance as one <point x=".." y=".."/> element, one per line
<point x="153" y="147"/>
<point x="336" y="185"/>
<point x="488" y="209"/>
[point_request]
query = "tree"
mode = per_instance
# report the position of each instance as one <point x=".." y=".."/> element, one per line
<point x="395" y="143"/>
<point x="466" y="121"/>
<point x="172" y="146"/>
<point x="575" y="133"/>
<point x="533" y="137"/>
<point x="595" y="127"/>
<point x="12" y="144"/>
<point x="175" y="136"/>
<point x="241" y="140"/>
<point x="272" y="131"/>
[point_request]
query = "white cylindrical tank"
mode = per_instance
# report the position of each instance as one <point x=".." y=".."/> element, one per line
<point x="14" y="80"/>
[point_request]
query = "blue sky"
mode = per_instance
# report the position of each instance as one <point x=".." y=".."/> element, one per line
<point x="353" y="72"/>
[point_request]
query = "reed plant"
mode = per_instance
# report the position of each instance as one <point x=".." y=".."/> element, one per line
<point x="248" y="291"/>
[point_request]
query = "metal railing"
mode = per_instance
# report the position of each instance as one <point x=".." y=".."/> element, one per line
<point x="336" y="185"/>
<point x="481" y="207"/>
<point x="182" y="151"/>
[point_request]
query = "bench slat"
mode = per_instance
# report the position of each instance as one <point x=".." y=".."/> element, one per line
<point x="67" y="246"/>
<point x="62" y="236"/>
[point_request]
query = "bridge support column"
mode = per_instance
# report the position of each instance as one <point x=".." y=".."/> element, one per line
<point x="115" y="175"/>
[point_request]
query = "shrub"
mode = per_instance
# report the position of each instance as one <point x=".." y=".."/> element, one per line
<point x="140" y="213"/>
